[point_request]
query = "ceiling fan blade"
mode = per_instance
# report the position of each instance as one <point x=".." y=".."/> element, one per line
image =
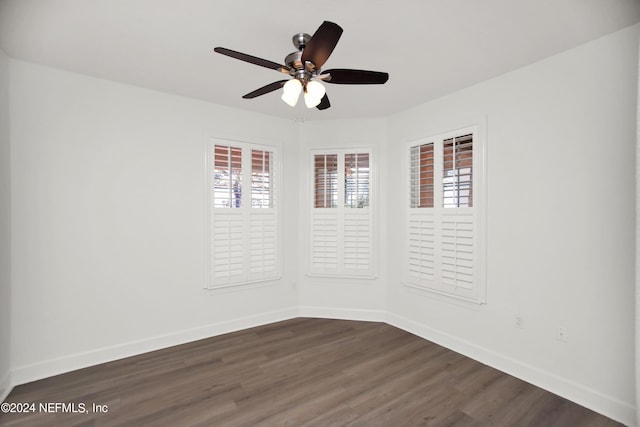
<point x="322" y="43"/>
<point x="265" y="89"/>
<point x="356" y="77"/>
<point x="252" y="59"/>
<point x="324" y="103"/>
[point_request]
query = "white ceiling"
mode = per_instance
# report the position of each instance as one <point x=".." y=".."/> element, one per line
<point x="429" y="47"/>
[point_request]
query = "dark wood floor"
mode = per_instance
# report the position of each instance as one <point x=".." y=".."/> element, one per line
<point x="300" y="372"/>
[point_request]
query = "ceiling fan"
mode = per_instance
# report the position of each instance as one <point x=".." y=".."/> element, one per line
<point x="304" y="66"/>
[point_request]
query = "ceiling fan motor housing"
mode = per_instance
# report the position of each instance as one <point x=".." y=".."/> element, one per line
<point x="294" y="60"/>
<point x="302" y="72"/>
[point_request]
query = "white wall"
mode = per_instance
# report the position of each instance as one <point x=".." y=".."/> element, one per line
<point x="5" y="230"/>
<point x="108" y="219"/>
<point x="561" y="200"/>
<point x="363" y="299"/>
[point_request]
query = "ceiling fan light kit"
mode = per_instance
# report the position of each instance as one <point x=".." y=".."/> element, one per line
<point x="291" y="91"/>
<point x="313" y="93"/>
<point x="304" y="66"/>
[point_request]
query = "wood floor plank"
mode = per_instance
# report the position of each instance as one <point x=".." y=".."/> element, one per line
<point x="300" y="372"/>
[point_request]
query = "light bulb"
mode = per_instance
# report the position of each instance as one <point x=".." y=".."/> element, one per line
<point x="313" y="93"/>
<point x="291" y="91"/>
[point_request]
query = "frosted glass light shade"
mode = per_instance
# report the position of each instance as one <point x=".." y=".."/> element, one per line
<point x="291" y="92"/>
<point x="313" y="93"/>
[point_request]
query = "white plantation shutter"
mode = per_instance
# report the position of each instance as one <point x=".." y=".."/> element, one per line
<point x="444" y="228"/>
<point x="457" y="252"/>
<point x="422" y="255"/>
<point x="341" y="214"/>
<point x="324" y="242"/>
<point x="227" y="247"/>
<point x="243" y="222"/>
<point x="356" y="234"/>
<point x="263" y="245"/>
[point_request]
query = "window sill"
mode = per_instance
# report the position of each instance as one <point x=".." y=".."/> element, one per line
<point x="243" y="284"/>
<point x="447" y="295"/>
<point x="341" y="276"/>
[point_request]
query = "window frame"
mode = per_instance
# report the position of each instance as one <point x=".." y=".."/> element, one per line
<point x="343" y="214"/>
<point x="428" y="229"/>
<point x="247" y="216"/>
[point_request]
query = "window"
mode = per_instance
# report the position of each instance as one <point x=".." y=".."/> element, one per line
<point x="445" y="223"/>
<point x="422" y="176"/>
<point x="227" y="176"/>
<point x="243" y="213"/>
<point x="356" y="178"/>
<point x="326" y="180"/>
<point x="261" y="177"/>
<point x="457" y="165"/>
<point x="341" y="214"/>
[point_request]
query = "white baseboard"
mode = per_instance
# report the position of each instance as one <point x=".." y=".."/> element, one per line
<point x="611" y="407"/>
<point x="48" y="368"/>
<point x="5" y="386"/>
<point x="343" y="313"/>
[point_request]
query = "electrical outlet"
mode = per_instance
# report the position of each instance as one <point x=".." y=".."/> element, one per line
<point x="518" y="321"/>
<point x="562" y="334"/>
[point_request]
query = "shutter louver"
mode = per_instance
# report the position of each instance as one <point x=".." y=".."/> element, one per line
<point x="227" y="247"/>
<point x="325" y="243"/>
<point x="262" y="236"/>
<point x="457" y="251"/>
<point x="356" y="242"/>
<point x="422" y="248"/>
